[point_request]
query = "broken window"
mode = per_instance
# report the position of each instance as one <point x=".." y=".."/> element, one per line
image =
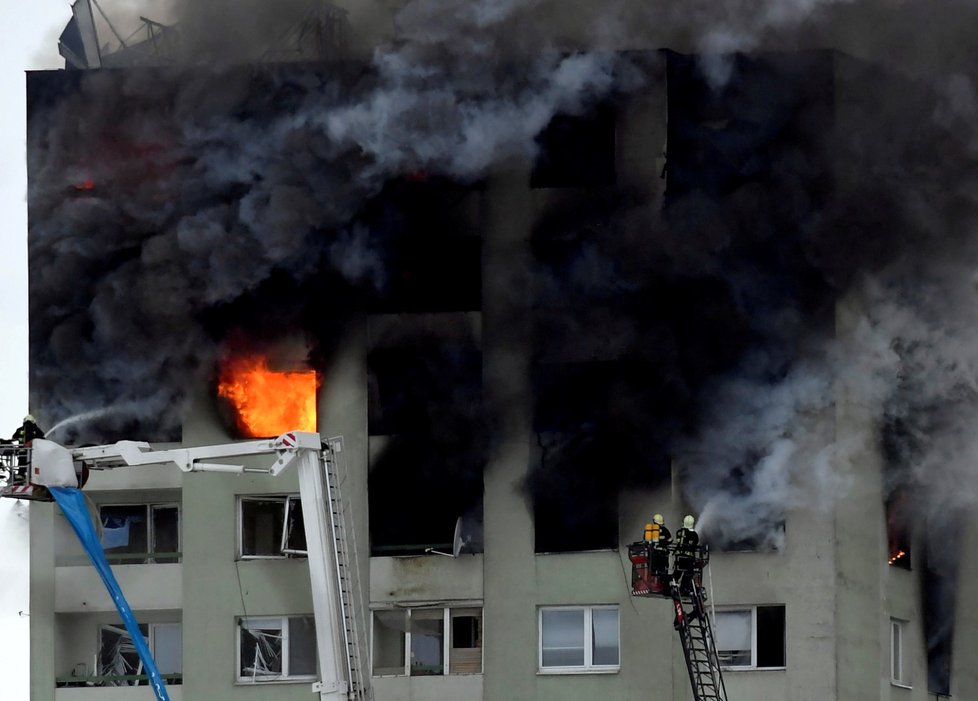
<point x="576" y="151"/>
<point x="898" y="529"/>
<point x="276" y="647"/>
<point x="427" y="642"/>
<point x="119" y="662"/>
<point x="140" y="533"/>
<point x="271" y="526"/>
<point x="415" y="641"/>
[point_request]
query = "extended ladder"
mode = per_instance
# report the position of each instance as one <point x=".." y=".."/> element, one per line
<point x="692" y="622"/>
<point x="347" y="572"/>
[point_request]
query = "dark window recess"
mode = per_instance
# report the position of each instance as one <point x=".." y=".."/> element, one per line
<point x="575" y="495"/>
<point x="770" y="636"/>
<point x="272" y="527"/>
<point x="419" y="488"/>
<point x="898" y="532"/>
<point x="762" y="126"/>
<point x="423" y="388"/>
<point x="428" y="251"/>
<point x="465" y="632"/>
<point x="576" y="151"/>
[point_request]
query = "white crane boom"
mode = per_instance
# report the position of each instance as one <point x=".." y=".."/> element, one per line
<point x="52" y="465"/>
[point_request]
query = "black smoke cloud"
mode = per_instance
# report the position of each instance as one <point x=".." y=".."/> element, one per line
<point x="795" y="180"/>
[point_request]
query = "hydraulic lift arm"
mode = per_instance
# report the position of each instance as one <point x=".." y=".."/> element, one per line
<point x="52" y="465"/>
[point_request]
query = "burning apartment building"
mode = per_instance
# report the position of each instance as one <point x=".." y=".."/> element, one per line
<point x="546" y="271"/>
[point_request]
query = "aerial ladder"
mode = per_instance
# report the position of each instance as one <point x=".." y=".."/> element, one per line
<point x="652" y="577"/>
<point x="31" y="472"/>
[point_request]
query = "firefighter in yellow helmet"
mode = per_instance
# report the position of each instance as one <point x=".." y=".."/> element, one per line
<point x="661" y="537"/>
<point x="687" y="551"/>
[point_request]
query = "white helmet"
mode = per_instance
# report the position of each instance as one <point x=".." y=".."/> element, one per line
<point x="688" y="521"/>
<point x="29" y="419"/>
<point x="657" y="519"/>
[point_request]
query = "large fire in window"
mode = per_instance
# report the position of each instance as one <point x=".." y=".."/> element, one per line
<point x="265" y="402"/>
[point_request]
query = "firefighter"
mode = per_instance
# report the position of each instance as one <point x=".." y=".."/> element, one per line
<point x="25" y="435"/>
<point x="27" y="432"/>
<point x="661" y="537"/>
<point x="687" y="551"/>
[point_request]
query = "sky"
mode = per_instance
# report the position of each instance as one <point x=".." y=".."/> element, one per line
<point x="30" y="42"/>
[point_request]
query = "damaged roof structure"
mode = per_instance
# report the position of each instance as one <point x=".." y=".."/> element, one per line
<point x="547" y="272"/>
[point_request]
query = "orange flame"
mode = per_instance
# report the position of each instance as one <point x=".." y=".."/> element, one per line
<point x="897" y="556"/>
<point x="268" y="403"/>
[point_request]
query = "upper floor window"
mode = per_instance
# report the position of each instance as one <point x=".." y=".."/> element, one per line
<point x="899" y="669"/>
<point x="427" y="641"/>
<point x="579" y="639"/>
<point x="140" y="533"/>
<point x="270" y="527"/>
<point x="576" y="151"/>
<point x="751" y="638"/>
<point x="276" y="648"/>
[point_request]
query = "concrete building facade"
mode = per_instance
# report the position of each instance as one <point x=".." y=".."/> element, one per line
<point x="825" y="615"/>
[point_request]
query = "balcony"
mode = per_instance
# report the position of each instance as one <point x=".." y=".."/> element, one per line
<point x="68" y="691"/>
<point x="78" y="588"/>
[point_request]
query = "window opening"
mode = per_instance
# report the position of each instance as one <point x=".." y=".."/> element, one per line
<point x="118" y="656"/>
<point x="140" y="533"/>
<point x="280" y="647"/>
<point x="427" y="641"/>
<point x="751" y="638"/>
<point x="271" y="527"/>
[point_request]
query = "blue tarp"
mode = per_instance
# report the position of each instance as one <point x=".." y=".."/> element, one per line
<point x="72" y="503"/>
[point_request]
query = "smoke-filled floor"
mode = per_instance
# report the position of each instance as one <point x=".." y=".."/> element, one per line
<point x="686" y="322"/>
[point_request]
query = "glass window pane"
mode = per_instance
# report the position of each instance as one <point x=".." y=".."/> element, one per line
<point x="604" y="649"/>
<point x="465" y="655"/>
<point x="389" y="647"/>
<point x="261" y="647"/>
<point x="733" y="637"/>
<point x="167" y="647"/>
<point x="295" y="527"/>
<point x="261" y="526"/>
<point x="562" y="638"/>
<point x="124" y="530"/>
<point x="302" y="646"/>
<point x="427" y="642"/>
<point x="166" y="532"/>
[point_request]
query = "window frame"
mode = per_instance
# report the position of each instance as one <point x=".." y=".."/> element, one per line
<point x="898" y="645"/>
<point x="588" y="667"/>
<point x="283" y="553"/>
<point x="283" y="626"/>
<point x="753" y="666"/>
<point x="150" y="551"/>
<point x="150" y="639"/>
<point x="447" y="638"/>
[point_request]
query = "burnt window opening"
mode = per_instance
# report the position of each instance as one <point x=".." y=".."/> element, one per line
<point x="898" y="532"/>
<point x="576" y="151"/>
<point x="271" y="527"/>
<point x="763" y="125"/>
<point x="425" y="401"/>
<point x="424" y="232"/>
<point x="767" y="529"/>
<point x="140" y="533"/>
<point x="421" y="492"/>
<point x="575" y="495"/>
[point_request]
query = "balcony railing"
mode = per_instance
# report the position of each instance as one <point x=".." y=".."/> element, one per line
<point x="122" y="559"/>
<point x="71" y="681"/>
